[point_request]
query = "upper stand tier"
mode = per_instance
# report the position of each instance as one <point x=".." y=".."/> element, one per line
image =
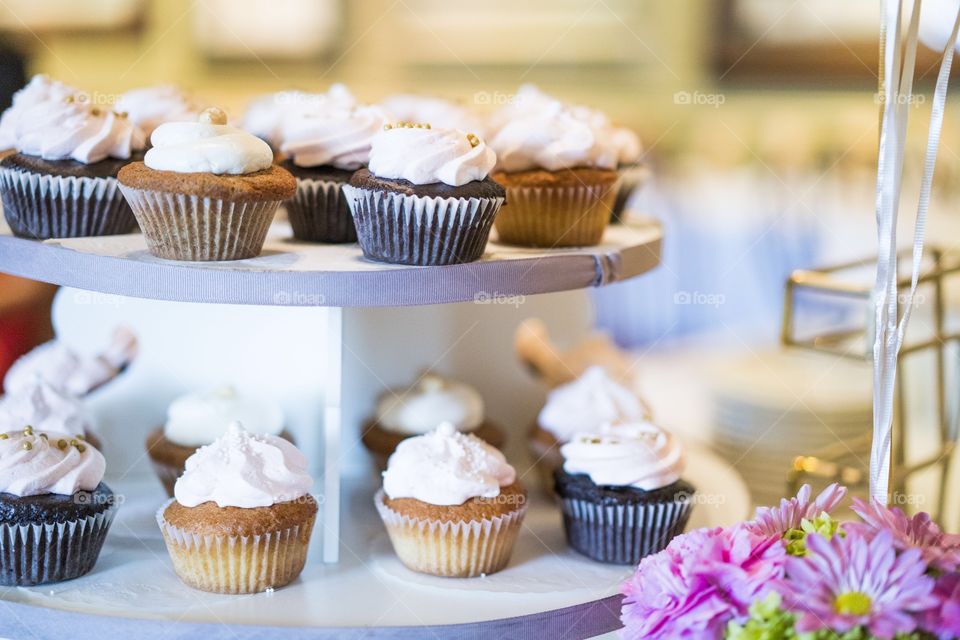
<point x="293" y="273"/>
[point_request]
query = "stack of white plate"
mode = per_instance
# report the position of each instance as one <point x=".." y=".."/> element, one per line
<point x="769" y="408"/>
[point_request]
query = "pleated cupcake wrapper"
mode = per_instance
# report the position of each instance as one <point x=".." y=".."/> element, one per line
<point x="32" y="554"/>
<point x="42" y="206"/>
<point x="180" y="226"/>
<point x="452" y="549"/>
<point x="415" y="230"/>
<point x="623" y="534"/>
<point x="237" y="564"/>
<point x="556" y="216"/>
<point x="168" y="475"/>
<point x="318" y="212"/>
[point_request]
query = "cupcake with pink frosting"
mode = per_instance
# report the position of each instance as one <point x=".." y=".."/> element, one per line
<point x="62" y="182"/>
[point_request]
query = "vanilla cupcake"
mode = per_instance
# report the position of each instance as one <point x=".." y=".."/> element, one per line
<point x="586" y="404"/>
<point x="55" y="510"/>
<point x="426" y="198"/>
<point x="621" y="492"/>
<point x="39" y="405"/>
<point x="560" y="176"/>
<point x="241" y="518"/>
<point x="150" y="107"/>
<point x="62" y="181"/>
<point x="322" y="148"/>
<point x="198" y="419"/>
<point x="205" y="190"/>
<point x="451" y="504"/>
<point x="432" y="401"/>
<point x="41" y="88"/>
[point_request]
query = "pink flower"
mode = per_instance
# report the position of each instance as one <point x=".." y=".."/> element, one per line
<point x="853" y="581"/>
<point x="775" y="521"/>
<point x="943" y="621"/>
<point x="701" y="581"/>
<point x="939" y="550"/>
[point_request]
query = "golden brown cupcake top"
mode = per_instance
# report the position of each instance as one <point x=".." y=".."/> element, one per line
<point x="271" y="184"/>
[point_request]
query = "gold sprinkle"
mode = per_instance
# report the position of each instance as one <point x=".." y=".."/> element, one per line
<point x="81" y="437"/>
<point x="4" y="436"/>
<point x="212" y="115"/>
<point x="473" y="140"/>
<point x="426" y="125"/>
<point x="28" y="431"/>
<point x="96" y="111"/>
<point x="27" y="446"/>
<point x="61" y="444"/>
<point x="387" y="127"/>
<point x="73" y="442"/>
<point x="70" y="99"/>
<point x="81" y="448"/>
<point x="123" y="115"/>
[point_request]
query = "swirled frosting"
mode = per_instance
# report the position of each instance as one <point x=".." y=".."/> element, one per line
<point x="425" y="156"/>
<point x="266" y="115"/>
<point x="34" y="462"/>
<point x="528" y="100"/>
<point x="205" y="147"/>
<point x="446" y="467"/>
<point x="74" y="130"/>
<point x="149" y="107"/>
<point x="587" y="404"/>
<point x="62" y="368"/>
<point x="432" y="401"/>
<point x="636" y="455"/>
<point x="44" y="408"/>
<point x="200" y="418"/>
<point x="440" y="113"/>
<point x="335" y="137"/>
<point x="243" y="470"/>
<point x="41" y="88"/>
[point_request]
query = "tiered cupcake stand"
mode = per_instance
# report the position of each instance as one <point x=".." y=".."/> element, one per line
<point x="359" y="589"/>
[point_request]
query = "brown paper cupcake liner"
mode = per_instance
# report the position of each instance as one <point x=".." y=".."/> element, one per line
<point x="415" y="230"/>
<point x="236" y="564"/>
<point x="318" y="212"/>
<point x="452" y="549"/>
<point x="32" y="554"/>
<point x="556" y="216"/>
<point x="179" y="226"/>
<point x="42" y="206"/>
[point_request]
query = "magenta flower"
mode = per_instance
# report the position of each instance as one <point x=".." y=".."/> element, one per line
<point x="943" y="621"/>
<point x="701" y="581"/>
<point x="939" y="550"/>
<point x="775" y="521"/>
<point x="853" y="581"/>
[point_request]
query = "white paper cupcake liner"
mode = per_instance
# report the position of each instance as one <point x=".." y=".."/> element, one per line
<point x="32" y="554"/>
<point x="43" y="206"/>
<point x="415" y="230"/>
<point x="318" y="212"/>
<point x="180" y="226"/>
<point x="556" y="216"/>
<point x="452" y="549"/>
<point x="625" y="533"/>
<point x="235" y="564"/>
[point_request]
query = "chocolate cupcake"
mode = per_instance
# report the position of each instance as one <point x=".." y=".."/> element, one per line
<point x="588" y="404"/>
<point x="242" y="516"/>
<point x="205" y="191"/>
<point x="426" y="198"/>
<point x="451" y="504"/>
<point x="323" y="148"/>
<point x="432" y="401"/>
<point x="62" y="182"/>
<point x="621" y="493"/>
<point x="198" y="419"/>
<point x="559" y="173"/>
<point x="52" y="500"/>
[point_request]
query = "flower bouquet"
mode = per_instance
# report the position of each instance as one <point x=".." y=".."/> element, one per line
<point x="796" y="572"/>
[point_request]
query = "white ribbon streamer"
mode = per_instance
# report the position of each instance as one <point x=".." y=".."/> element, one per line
<point x="897" y="97"/>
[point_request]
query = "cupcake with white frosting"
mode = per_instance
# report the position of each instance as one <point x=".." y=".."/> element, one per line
<point x="205" y="190"/>
<point x="444" y="114"/>
<point x="241" y="518"/>
<point x="52" y="499"/>
<point x="39" y="405"/>
<point x="621" y="492"/>
<point x="452" y="505"/>
<point x="266" y="115"/>
<point x="150" y="107"/>
<point x="322" y="148"/>
<point x="62" y="181"/>
<point x="430" y="402"/>
<point x="426" y="198"/>
<point x="198" y="419"/>
<point x="588" y="404"/>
